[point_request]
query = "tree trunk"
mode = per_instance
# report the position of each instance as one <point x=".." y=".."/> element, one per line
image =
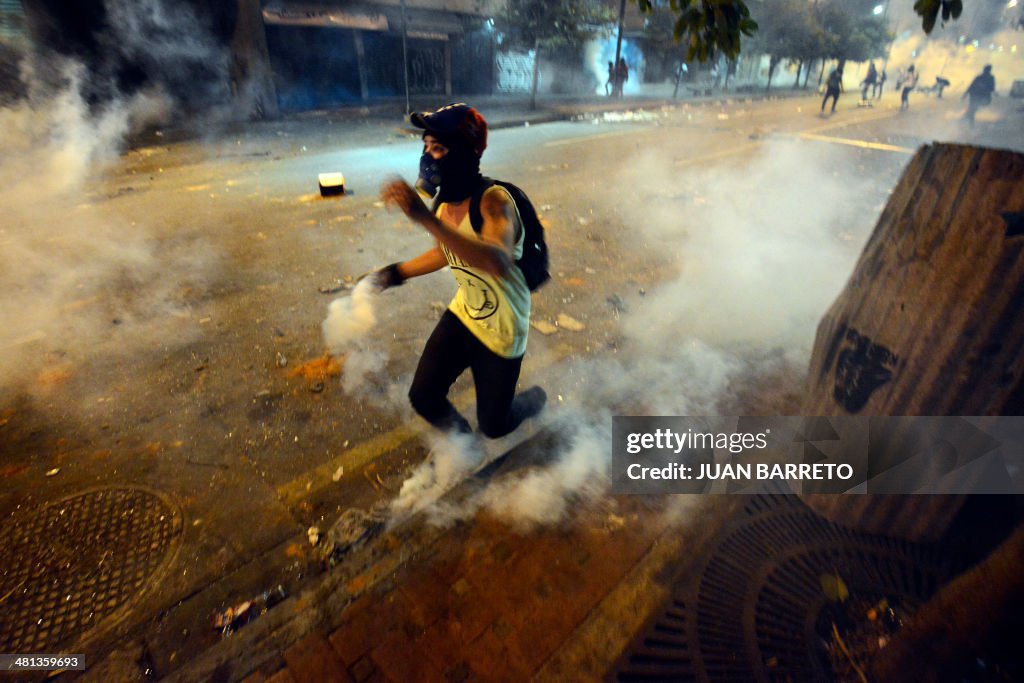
<point x="772" y="63"/>
<point x="821" y="73"/>
<point x="679" y="77"/>
<point x="799" y="66"/>
<point x="536" y="74"/>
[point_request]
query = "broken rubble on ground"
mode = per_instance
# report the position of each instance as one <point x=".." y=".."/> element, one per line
<point x="353" y="528"/>
<point x="233" y="618"/>
<point x="543" y="326"/>
<point x="569" y="323"/>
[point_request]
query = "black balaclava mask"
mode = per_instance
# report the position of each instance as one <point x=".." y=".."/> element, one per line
<point x="457" y="172"/>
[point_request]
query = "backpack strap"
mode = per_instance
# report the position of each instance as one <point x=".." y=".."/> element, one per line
<point x="476" y="218"/>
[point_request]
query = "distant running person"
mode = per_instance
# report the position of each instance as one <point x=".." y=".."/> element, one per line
<point x="908" y="83"/>
<point x="979" y="93"/>
<point x="833" y="86"/>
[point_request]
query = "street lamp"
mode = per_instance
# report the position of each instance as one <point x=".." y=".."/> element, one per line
<point x="881" y="8"/>
<point x="888" y="48"/>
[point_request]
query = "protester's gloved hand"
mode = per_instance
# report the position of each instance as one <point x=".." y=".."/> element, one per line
<point x="384" y="278"/>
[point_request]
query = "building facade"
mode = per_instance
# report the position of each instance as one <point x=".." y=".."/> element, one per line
<point x="332" y="53"/>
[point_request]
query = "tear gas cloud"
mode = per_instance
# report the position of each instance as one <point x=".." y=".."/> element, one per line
<point x="161" y="35"/>
<point x="349" y="319"/>
<point x="957" y="50"/>
<point x="762" y="246"/>
<point x="172" y="45"/>
<point x="68" y="268"/>
<point x="79" y="281"/>
<point x="347" y="333"/>
<point x="945" y="56"/>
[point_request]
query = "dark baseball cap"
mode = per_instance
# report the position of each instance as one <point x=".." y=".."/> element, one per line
<point x="455" y="125"/>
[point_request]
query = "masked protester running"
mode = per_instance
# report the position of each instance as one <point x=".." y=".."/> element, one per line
<point x="485" y="326"/>
<point x="979" y="93"/>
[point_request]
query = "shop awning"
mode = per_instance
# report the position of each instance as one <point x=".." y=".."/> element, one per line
<point x="291" y="14"/>
<point x="420" y="23"/>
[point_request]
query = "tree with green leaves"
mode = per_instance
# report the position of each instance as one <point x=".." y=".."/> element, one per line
<point x="931" y="9"/>
<point x="789" y="29"/>
<point x="549" y="24"/>
<point x="662" y="51"/>
<point x="853" y="33"/>
<point x="709" y="27"/>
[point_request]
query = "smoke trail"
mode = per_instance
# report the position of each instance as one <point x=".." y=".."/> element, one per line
<point x="349" y="318"/>
<point x="452" y="457"/>
<point x="346" y="332"/>
<point x="542" y="495"/>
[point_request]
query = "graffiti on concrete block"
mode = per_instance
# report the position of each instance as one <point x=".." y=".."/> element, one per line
<point x="515" y="71"/>
<point x="862" y="367"/>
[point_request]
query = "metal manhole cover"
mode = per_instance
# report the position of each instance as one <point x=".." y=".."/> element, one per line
<point x="71" y="564"/>
<point x="754" y="611"/>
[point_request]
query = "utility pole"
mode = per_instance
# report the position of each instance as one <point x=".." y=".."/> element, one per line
<point x="405" y="59"/>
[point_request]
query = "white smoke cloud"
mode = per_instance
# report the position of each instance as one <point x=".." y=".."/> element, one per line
<point x="348" y="332"/>
<point x="52" y="141"/>
<point x="451" y="458"/>
<point x="762" y="249"/>
<point x="350" y="318"/>
<point x="159" y="33"/>
<point x="80" y="282"/>
<point x="542" y="495"/>
<point x="174" y="47"/>
<point x="959" y="62"/>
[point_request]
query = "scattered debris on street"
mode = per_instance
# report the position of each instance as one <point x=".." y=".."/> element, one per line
<point x="318" y="369"/>
<point x="233" y="618"/>
<point x="543" y="326"/>
<point x="570" y="323"/>
<point x="352" y="529"/>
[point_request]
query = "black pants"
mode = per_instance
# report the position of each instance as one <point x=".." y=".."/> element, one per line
<point x="834" y="94"/>
<point x="972" y="108"/>
<point x="451" y="349"/>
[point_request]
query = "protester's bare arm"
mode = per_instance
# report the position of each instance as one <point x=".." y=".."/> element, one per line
<point x="427" y="262"/>
<point x="499" y="212"/>
<point x="491" y="252"/>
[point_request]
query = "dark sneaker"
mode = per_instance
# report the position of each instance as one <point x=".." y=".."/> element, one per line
<point x="528" y="404"/>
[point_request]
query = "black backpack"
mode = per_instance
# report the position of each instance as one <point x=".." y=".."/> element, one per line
<point x="534" y="261"/>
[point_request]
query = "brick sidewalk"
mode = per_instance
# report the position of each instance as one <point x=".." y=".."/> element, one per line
<point x="486" y="603"/>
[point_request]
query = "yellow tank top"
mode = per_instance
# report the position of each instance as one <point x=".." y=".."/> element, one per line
<point x="496" y="310"/>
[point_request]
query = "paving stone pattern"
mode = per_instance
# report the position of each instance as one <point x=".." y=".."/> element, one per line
<point x="487" y="604"/>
